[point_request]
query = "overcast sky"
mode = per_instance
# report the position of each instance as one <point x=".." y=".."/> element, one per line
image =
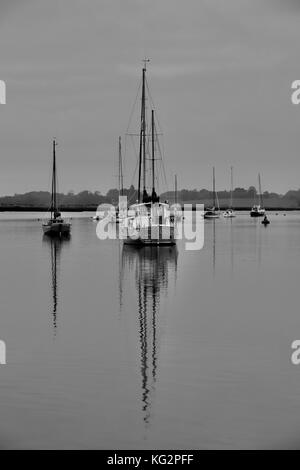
<point x="220" y="74"/>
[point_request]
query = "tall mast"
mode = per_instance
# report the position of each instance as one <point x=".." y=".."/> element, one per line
<point x="175" y="189"/>
<point x="231" y="187"/>
<point x="144" y="129"/>
<point x="214" y="188"/>
<point x="53" y="197"/>
<point x="120" y="169"/>
<point x="153" y="154"/>
<point x="142" y="153"/>
<point x="119" y="174"/>
<point x="260" y="193"/>
<point x="141" y="139"/>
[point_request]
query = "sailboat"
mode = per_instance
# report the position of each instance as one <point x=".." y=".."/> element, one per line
<point x="258" y="210"/>
<point x="55" y="225"/>
<point x="149" y="219"/>
<point x="118" y="217"/>
<point x="213" y="213"/>
<point x="176" y="210"/>
<point x="229" y="213"/>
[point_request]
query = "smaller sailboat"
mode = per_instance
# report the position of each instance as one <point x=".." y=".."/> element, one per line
<point x="213" y="213"/>
<point x="176" y="210"/>
<point x="55" y="225"/>
<point x="258" y="210"/>
<point x="229" y="213"/>
<point x="118" y="216"/>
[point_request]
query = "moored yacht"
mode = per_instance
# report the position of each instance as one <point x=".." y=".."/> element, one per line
<point x="212" y="212"/>
<point x="150" y="224"/>
<point x="118" y="216"/>
<point x="229" y="213"/>
<point x="149" y="221"/>
<point x="258" y="210"/>
<point x="55" y="225"/>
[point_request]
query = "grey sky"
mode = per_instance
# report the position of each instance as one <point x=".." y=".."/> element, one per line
<point x="220" y="75"/>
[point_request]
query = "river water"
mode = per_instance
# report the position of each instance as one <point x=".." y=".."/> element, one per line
<point x="114" y="347"/>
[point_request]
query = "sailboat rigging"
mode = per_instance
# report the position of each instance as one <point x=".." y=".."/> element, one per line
<point x="121" y="186"/>
<point x="213" y="213"/>
<point x="55" y="225"/>
<point x="150" y="219"/>
<point x="117" y="216"/>
<point x="258" y="210"/>
<point x="229" y="213"/>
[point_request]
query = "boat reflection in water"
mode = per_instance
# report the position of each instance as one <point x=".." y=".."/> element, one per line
<point x="153" y="269"/>
<point x="55" y="246"/>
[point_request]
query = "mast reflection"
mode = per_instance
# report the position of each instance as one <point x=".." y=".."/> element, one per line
<point x="214" y="248"/>
<point x="152" y="268"/>
<point x="55" y="246"/>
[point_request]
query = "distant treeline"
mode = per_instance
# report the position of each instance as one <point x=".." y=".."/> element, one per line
<point x="242" y="198"/>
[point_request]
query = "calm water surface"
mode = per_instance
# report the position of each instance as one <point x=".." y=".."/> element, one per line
<point x="112" y="347"/>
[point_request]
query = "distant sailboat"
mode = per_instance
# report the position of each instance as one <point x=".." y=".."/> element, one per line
<point x="258" y="210"/>
<point x="229" y="213"/>
<point x="55" y="225"/>
<point x="120" y="181"/>
<point x="176" y="211"/>
<point x="213" y="213"/>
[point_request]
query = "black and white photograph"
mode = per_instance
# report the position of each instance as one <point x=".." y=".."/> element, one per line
<point x="149" y="227"/>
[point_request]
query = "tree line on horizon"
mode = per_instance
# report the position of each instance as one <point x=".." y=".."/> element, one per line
<point x="92" y="199"/>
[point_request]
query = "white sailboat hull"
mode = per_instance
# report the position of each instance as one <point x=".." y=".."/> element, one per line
<point x="257" y="211"/>
<point x="153" y="236"/>
<point x="151" y="225"/>
<point x="229" y="214"/>
<point x="211" y="214"/>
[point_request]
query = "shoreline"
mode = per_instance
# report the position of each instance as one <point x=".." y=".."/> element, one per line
<point x="94" y="208"/>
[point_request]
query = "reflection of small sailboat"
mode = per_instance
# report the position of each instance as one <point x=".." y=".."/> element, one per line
<point x="56" y="225"/>
<point x="258" y="210"/>
<point x="265" y="221"/>
<point x="152" y="268"/>
<point x="150" y="220"/>
<point x="229" y="213"/>
<point x="55" y="245"/>
<point x="214" y="248"/>
<point x="213" y="213"/>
